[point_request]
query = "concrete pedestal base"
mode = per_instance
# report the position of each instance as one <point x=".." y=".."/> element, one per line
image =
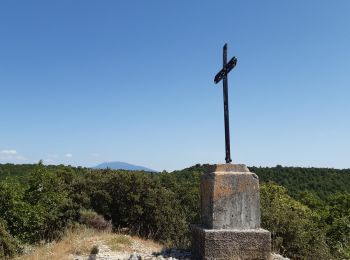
<point x="225" y="244"/>
<point x="230" y="198"/>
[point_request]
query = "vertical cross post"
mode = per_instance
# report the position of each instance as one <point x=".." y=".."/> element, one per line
<point x="222" y="75"/>
<point x="226" y="112"/>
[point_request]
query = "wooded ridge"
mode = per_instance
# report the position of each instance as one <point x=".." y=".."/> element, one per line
<point x="307" y="210"/>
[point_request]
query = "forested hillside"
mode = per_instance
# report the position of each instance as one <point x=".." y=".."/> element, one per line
<point x="307" y="210"/>
<point x="11" y="170"/>
<point x="321" y="181"/>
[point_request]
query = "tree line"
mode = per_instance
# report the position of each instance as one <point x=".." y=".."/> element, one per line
<point x="307" y="210"/>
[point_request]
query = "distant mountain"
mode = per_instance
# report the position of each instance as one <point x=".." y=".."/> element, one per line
<point x="122" y="166"/>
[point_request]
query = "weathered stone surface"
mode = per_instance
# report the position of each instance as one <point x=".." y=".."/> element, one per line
<point x="230" y="198"/>
<point x="230" y="216"/>
<point x="222" y="244"/>
<point x="227" y="167"/>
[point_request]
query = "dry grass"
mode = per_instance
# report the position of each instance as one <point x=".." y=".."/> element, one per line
<point x="78" y="242"/>
<point x="118" y="242"/>
<point x="81" y="241"/>
<point x="148" y="244"/>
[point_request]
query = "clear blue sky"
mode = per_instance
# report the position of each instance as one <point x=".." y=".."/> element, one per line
<point x="82" y="82"/>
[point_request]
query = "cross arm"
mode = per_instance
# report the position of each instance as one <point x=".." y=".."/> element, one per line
<point x="225" y="70"/>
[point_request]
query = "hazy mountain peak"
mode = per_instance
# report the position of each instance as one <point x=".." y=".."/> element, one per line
<point x="122" y="166"/>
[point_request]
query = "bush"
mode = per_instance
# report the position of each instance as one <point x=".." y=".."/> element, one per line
<point x="337" y="217"/>
<point x="140" y="203"/>
<point x="293" y="226"/>
<point x="92" y="219"/>
<point x="9" y="246"/>
<point x="39" y="209"/>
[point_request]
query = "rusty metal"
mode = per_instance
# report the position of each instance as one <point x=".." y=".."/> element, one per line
<point x="222" y="75"/>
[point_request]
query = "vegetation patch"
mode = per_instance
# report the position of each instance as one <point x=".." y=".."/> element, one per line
<point x="306" y="209"/>
<point x="118" y="242"/>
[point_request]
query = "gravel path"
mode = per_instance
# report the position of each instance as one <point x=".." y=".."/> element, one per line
<point x="138" y="251"/>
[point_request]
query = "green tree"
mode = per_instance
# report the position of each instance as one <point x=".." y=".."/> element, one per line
<point x="338" y="224"/>
<point x="293" y="226"/>
<point x="46" y="193"/>
<point x="37" y="209"/>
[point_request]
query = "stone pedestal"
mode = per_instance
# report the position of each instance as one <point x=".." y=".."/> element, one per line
<point x="230" y="216"/>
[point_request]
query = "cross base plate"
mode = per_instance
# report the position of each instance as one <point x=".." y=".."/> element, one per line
<point x="224" y="244"/>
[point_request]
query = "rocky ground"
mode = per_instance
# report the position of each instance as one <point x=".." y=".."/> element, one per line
<point x="141" y="252"/>
<point x="137" y="251"/>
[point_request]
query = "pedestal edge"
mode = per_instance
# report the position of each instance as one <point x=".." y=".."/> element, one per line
<point x="209" y="230"/>
<point x="230" y="168"/>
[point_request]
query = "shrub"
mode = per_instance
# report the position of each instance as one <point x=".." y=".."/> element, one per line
<point x="293" y="226"/>
<point x="92" y="219"/>
<point x="9" y="246"/>
<point x="140" y="203"/>
<point x="39" y="209"/>
<point x="337" y="215"/>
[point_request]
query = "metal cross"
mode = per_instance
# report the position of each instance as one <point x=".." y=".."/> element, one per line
<point x="222" y="75"/>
